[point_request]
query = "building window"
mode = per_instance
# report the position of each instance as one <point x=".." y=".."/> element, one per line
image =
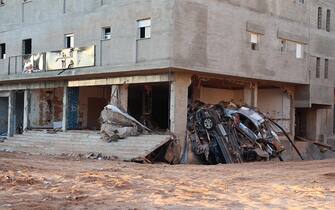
<point x="3" y="51"/>
<point x="319" y="18"/>
<point x="301" y="1"/>
<point x="2" y="2"/>
<point x="69" y="40"/>
<point x="27" y="47"/>
<point x="254" y="41"/>
<point x="283" y="45"/>
<point x="317" y="70"/>
<point x="144" y="29"/>
<point x="328" y="20"/>
<point x="106" y="33"/>
<point x="299" y="51"/>
<point x="326" y="68"/>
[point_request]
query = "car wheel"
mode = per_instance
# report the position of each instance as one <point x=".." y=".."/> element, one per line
<point x="208" y="123"/>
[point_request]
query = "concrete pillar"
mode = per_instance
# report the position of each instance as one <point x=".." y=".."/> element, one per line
<point x="115" y="95"/>
<point x="119" y="96"/>
<point x="255" y="95"/>
<point x="26" y="106"/>
<point x="251" y="94"/>
<point x="65" y="110"/>
<point x="178" y="104"/>
<point x="123" y="96"/>
<point x="11" y="115"/>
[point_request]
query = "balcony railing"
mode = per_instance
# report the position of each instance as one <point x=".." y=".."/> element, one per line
<point x="54" y="60"/>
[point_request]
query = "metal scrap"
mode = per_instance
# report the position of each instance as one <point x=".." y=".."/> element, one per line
<point x="226" y="133"/>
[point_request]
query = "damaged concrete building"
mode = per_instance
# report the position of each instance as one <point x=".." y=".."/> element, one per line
<point x="63" y="61"/>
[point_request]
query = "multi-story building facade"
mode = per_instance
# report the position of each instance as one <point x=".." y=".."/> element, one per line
<point x="62" y="61"/>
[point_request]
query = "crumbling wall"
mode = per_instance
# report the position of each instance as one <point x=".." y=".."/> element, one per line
<point x="46" y="107"/>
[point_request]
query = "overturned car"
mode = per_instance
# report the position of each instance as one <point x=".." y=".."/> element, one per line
<point x="225" y="133"/>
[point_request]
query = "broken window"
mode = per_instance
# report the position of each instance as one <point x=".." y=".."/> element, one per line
<point x="319" y="18"/>
<point x="144" y="29"/>
<point x="106" y="33"/>
<point x="299" y="51"/>
<point x="326" y="68"/>
<point x="3" y="51"/>
<point x="69" y="40"/>
<point x="254" y="41"/>
<point x="328" y="20"/>
<point x="318" y="62"/>
<point x="27" y="47"/>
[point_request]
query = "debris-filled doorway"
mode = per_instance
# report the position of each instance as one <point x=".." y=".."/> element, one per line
<point x="3" y="116"/>
<point x="150" y="105"/>
<point x="301" y="122"/>
<point x="19" y="107"/>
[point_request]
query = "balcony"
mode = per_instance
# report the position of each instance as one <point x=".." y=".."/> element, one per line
<point x="50" y="61"/>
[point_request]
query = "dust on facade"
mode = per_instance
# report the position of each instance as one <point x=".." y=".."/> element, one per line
<point x="63" y="61"/>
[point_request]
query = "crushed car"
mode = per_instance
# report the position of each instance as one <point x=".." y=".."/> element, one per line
<point x="226" y="133"/>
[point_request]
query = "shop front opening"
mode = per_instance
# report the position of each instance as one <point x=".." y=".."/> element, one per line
<point x="3" y="116"/>
<point x="18" y="114"/>
<point x="149" y="104"/>
<point x="85" y="105"/>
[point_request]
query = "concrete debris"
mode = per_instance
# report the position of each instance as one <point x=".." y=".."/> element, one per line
<point x="116" y="124"/>
<point x="168" y="152"/>
<point x="225" y="133"/>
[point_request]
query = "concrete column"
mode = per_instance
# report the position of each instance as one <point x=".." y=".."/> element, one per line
<point x="123" y="96"/>
<point x="178" y="104"/>
<point x="65" y="110"/>
<point x="119" y="96"/>
<point x="26" y="106"/>
<point x="251" y="95"/>
<point x="115" y="95"/>
<point x="255" y="95"/>
<point x="11" y="115"/>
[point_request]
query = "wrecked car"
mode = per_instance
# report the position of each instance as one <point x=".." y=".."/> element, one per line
<point x="227" y="134"/>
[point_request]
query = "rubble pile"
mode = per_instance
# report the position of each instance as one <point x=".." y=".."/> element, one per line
<point x="225" y="133"/>
<point x="116" y="124"/>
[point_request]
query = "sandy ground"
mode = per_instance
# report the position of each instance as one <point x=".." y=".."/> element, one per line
<point x="37" y="182"/>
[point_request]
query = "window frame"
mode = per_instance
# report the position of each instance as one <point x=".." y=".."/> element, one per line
<point x="254" y="40"/>
<point x="104" y="35"/>
<point x="24" y="47"/>
<point x="71" y="36"/>
<point x="328" y="20"/>
<point x="144" y="28"/>
<point x="299" y="51"/>
<point x="3" y="51"/>
<point x="319" y="18"/>
<point x="326" y="68"/>
<point x="318" y="67"/>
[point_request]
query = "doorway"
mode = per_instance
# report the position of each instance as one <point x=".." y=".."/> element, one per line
<point x="18" y="114"/>
<point x="149" y="104"/>
<point x="3" y="116"/>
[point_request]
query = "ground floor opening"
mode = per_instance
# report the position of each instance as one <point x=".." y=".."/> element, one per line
<point x="149" y="104"/>
<point x="3" y="116"/>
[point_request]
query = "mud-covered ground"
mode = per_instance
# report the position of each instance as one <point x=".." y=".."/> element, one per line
<point x="38" y="182"/>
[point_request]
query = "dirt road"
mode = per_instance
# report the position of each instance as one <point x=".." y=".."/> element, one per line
<point x="36" y="182"/>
